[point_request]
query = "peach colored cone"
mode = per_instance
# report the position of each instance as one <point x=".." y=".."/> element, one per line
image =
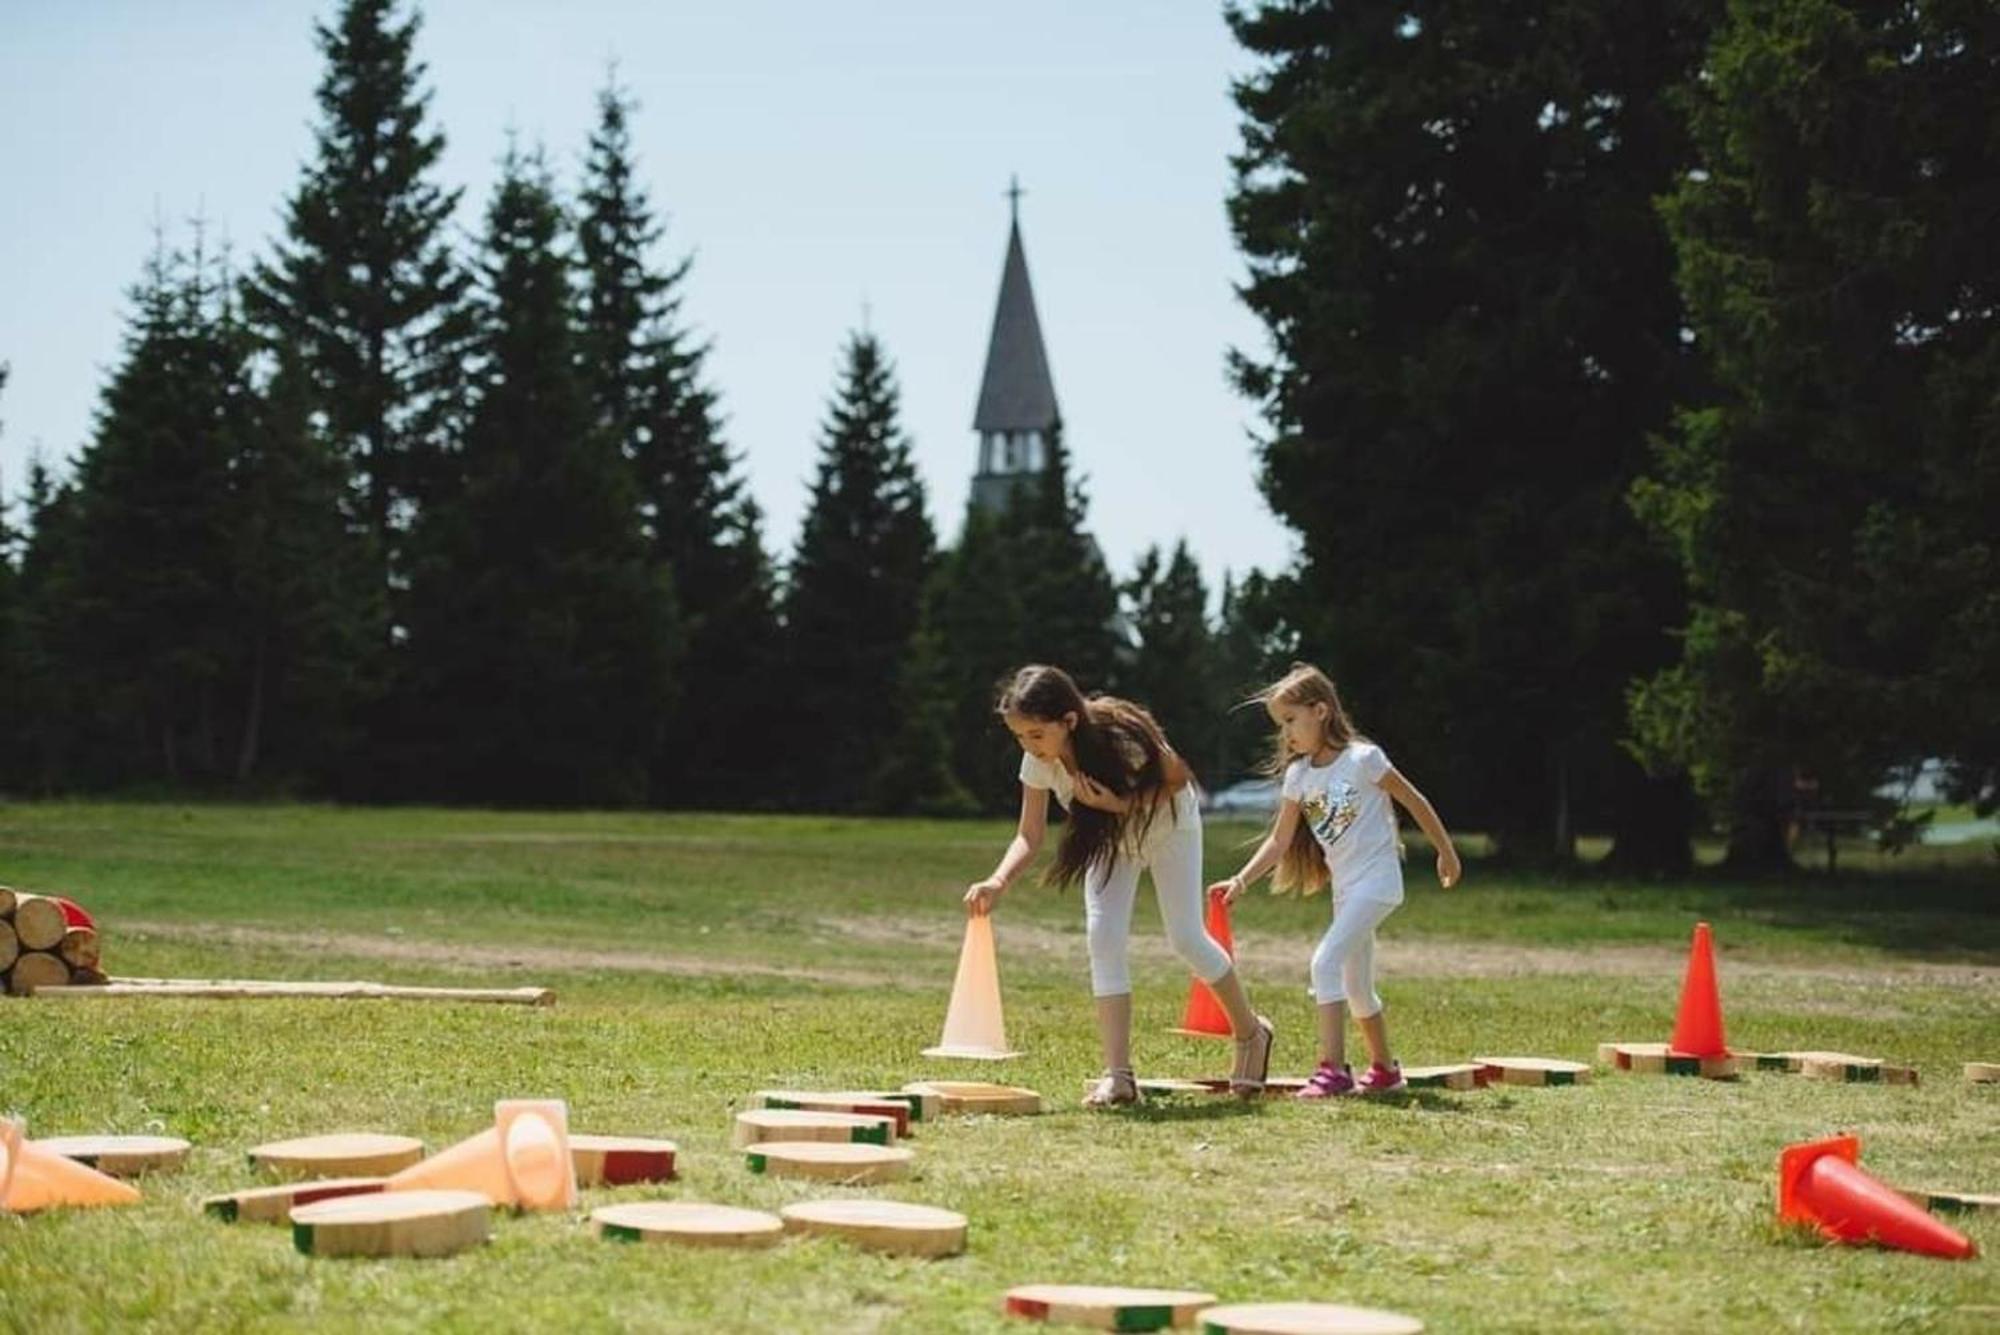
<point x="1204" y="1017"/>
<point x="1698" y="1027"/>
<point x="473" y="1164"/>
<point x="534" y="1135"/>
<point x="973" y="1023"/>
<point x="35" y="1179"/>
<point x="522" y="1160"/>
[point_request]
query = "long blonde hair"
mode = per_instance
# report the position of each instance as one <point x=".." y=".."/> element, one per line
<point x="1301" y="865"/>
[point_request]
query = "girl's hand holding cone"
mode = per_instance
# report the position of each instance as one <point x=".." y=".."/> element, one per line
<point x="1229" y="891"/>
<point x="981" y="896"/>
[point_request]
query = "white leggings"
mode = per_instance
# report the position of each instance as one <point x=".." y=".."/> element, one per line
<point x="1172" y="852"/>
<point x="1343" y="966"/>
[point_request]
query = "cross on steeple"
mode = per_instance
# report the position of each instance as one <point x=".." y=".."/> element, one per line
<point x="1014" y="193"/>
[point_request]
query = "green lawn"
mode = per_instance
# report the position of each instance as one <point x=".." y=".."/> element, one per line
<point x="699" y="958"/>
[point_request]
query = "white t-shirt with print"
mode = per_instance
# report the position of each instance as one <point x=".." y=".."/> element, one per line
<point x="1345" y="807"/>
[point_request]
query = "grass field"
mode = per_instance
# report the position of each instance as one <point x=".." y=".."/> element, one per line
<point x="699" y="958"/>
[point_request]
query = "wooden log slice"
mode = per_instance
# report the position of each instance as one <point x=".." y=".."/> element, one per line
<point x="794" y="1124"/>
<point x="343" y="1154"/>
<point x="882" y="1226"/>
<point x="273" y="1205"/>
<point x="820" y="1161"/>
<point x="401" y="1223"/>
<point x="120" y="1156"/>
<point x="689" y="1223"/>
<point x="1106" y="1307"/>
<point x="618" y="1161"/>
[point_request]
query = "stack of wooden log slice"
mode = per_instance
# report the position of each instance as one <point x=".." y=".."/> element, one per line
<point x="41" y="947"/>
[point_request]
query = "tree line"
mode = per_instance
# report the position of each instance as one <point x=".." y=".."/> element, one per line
<point x="1632" y="388"/>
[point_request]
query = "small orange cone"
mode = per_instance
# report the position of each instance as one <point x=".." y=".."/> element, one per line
<point x="974" y="1026"/>
<point x="35" y="1179"/>
<point x="522" y="1160"/>
<point x="1819" y="1184"/>
<point x="1698" y="1028"/>
<point x="1204" y="1017"/>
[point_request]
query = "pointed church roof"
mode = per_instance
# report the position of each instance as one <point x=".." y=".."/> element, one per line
<point x="1017" y="394"/>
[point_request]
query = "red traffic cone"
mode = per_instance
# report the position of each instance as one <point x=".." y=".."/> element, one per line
<point x="1698" y="1027"/>
<point x="1819" y="1184"/>
<point x="1204" y="1017"/>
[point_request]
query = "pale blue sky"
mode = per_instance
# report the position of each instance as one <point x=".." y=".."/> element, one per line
<point x="813" y="157"/>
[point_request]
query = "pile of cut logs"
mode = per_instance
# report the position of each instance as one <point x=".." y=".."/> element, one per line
<point x="45" y="942"/>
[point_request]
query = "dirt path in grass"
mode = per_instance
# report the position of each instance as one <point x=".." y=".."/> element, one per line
<point x="524" y="958"/>
<point x="1409" y="958"/>
<point x="1430" y="957"/>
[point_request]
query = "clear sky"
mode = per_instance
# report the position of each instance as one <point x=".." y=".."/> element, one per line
<point x="818" y="160"/>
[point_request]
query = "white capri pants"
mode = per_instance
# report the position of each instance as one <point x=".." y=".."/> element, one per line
<point x="1172" y="852"/>
<point x="1343" y="965"/>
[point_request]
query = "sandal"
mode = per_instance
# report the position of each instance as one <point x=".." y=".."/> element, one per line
<point x="1118" y="1088"/>
<point x="1253" y="1059"/>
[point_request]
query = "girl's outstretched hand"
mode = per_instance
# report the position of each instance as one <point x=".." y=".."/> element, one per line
<point x="982" y="896"/>
<point x="1230" y="890"/>
<point x="1448" y="866"/>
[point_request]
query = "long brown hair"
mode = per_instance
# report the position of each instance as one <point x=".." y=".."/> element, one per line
<point x="1117" y="743"/>
<point x="1301" y="864"/>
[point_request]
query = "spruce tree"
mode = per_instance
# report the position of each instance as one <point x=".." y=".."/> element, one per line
<point x="363" y="297"/>
<point x="645" y="371"/>
<point x="144" y="628"/>
<point x="541" y="639"/>
<point x="12" y="677"/>
<point x="855" y="590"/>
<point x="1173" y="667"/>
<point x="1450" y="231"/>
<point x="1832" y="501"/>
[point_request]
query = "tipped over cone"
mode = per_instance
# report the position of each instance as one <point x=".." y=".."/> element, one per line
<point x="1698" y="1027"/>
<point x="1204" y="1016"/>
<point x="36" y="1179"/>
<point x="973" y="1024"/>
<point x="1821" y="1184"/>
<point x="522" y="1160"/>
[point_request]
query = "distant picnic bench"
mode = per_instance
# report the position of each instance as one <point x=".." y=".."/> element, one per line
<point x="1831" y="824"/>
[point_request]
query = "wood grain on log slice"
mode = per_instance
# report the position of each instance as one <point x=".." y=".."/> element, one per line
<point x="39" y="922"/>
<point x="37" y="968"/>
<point x="10" y="946"/>
<point x="80" y="948"/>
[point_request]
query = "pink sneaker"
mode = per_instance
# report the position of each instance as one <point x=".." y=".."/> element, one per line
<point x="1327" y="1083"/>
<point x="1382" y="1079"/>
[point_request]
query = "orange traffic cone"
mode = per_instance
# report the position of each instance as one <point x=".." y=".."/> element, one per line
<point x="522" y="1160"/>
<point x="1698" y="1028"/>
<point x="974" y="1026"/>
<point x="1204" y="1017"/>
<point x="34" y="1179"/>
<point x="1820" y="1185"/>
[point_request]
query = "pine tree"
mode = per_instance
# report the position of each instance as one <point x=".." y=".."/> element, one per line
<point x="363" y="297"/>
<point x="646" y="377"/>
<point x="855" y="592"/>
<point x="45" y="700"/>
<point x="1450" y="230"/>
<point x="12" y="676"/>
<point x="143" y="629"/>
<point x="1254" y="645"/>
<point x="1173" y="668"/>
<point x="541" y="639"/>
<point x="1832" y="502"/>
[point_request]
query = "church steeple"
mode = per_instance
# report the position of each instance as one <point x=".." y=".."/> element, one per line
<point x="1017" y="411"/>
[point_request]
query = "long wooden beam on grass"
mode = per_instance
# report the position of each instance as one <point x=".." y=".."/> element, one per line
<point x="250" y="989"/>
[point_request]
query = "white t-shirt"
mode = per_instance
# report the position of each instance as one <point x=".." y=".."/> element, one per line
<point x="1039" y="773"/>
<point x="1048" y="774"/>
<point x="1344" y="806"/>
